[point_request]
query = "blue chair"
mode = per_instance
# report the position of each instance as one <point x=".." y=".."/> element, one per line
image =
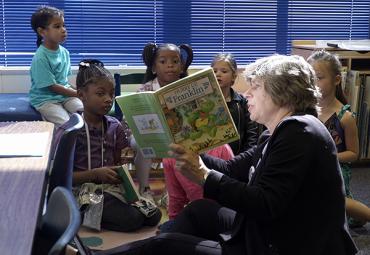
<point x="62" y="168"/>
<point x="59" y="224"/>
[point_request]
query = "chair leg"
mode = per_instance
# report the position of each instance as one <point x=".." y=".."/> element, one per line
<point x="82" y="249"/>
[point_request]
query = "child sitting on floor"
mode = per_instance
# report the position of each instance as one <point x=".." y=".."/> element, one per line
<point x="98" y="155"/>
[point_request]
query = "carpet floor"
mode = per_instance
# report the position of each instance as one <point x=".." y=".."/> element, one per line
<point x="360" y="186"/>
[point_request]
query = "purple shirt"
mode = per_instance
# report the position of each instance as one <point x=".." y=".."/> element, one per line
<point x="114" y="140"/>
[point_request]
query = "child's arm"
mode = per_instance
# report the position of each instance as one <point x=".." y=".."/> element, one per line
<point x="122" y="144"/>
<point x="61" y="90"/>
<point x="97" y="175"/>
<point x="348" y="123"/>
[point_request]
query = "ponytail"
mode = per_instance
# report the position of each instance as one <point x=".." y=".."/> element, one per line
<point x="186" y="57"/>
<point x="150" y="52"/>
<point x="39" y="40"/>
<point x="340" y="95"/>
<point x="148" y="55"/>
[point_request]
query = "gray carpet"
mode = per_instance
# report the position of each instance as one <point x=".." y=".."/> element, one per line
<point x="360" y="186"/>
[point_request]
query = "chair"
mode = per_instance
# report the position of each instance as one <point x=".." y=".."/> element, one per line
<point x="62" y="168"/>
<point x="131" y="80"/>
<point x="127" y="80"/>
<point x="59" y="224"/>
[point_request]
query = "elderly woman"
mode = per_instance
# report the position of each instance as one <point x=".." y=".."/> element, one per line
<point x="285" y="196"/>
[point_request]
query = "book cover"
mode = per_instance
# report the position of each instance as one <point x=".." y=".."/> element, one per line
<point x="352" y="88"/>
<point x="130" y="192"/>
<point x="191" y="111"/>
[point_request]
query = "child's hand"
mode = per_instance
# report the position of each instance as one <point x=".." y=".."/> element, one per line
<point x="106" y="175"/>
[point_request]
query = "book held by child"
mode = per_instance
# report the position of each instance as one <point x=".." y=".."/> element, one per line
<point x="130" y="192"/>
<point x="191" y="111"/>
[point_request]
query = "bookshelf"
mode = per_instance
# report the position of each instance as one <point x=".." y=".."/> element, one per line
<point x="355" y="64"/>
<point x="353" y="60"/>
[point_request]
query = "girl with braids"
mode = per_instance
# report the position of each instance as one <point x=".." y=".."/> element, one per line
<point x="339" y="120"/>
<point x="97" y="156"/>
<point x="50" y="92"/>
<point x="165" y="63"/>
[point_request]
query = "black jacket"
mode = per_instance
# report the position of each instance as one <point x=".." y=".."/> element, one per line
<point x="248" y="130"/>
<point x="294" y="201"/>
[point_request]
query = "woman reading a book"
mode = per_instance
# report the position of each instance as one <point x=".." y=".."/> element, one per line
<point x="284" y="196"/>
<point x="97" y="185"/>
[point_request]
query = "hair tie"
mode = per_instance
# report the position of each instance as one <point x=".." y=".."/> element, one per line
<point x="85" y="64"/>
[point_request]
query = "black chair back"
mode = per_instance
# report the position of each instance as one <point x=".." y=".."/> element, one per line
<point x="132" y="78"/>
<point x="62" y="168"/>
<point x="59" y="224"/>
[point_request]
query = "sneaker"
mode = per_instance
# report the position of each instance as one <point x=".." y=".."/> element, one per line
<point x="163" y="201"/>
<point x="147" y="193"/>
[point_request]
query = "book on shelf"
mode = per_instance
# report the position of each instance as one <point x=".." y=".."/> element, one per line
<point x="352" y="89"/>
<point x="365" y="130"/>
<point x="191" y="111"/>
<point x="129" y="190"/>
<point x="343" y="77"/>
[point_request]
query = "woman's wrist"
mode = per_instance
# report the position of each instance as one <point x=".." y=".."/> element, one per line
<point x="205" y="175"/>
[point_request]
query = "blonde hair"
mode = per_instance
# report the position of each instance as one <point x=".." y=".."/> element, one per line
<point x="335" y="67"/>
<point x="229" y="59"/>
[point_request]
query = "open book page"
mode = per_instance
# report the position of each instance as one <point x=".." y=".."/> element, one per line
<point x="191" y="111"/>
<point x="146" y="121"/>
<point x="196" y="112"/>
<point x="23" y="145"/>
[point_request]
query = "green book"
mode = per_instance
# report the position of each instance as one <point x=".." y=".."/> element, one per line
<point x="130" y="192"/>
<point x="191" y="111"/>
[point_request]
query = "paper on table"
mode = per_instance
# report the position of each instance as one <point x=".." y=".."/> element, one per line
<point x="23" y="145"/>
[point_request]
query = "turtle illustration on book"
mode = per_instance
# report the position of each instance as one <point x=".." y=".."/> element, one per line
<point x="202" y="121"/>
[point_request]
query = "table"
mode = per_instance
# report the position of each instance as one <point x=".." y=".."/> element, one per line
<point x="22" y="189"/>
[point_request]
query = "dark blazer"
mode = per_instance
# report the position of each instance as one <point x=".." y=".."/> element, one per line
<point x="248" y="129"/>
<point x="293" y="203"/>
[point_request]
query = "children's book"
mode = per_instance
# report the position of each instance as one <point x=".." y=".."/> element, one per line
<point x="191" y="111"/>
<point x="130" y="192"/>
<point x="352" y="88"/>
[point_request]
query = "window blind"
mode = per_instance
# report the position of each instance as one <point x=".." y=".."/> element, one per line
<point x="116" y="31"/>
<point x="18" y="41"/>
<point x="113" y="31"/>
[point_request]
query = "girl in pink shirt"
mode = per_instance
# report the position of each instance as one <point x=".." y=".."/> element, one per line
<point x="180" y="190"/>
